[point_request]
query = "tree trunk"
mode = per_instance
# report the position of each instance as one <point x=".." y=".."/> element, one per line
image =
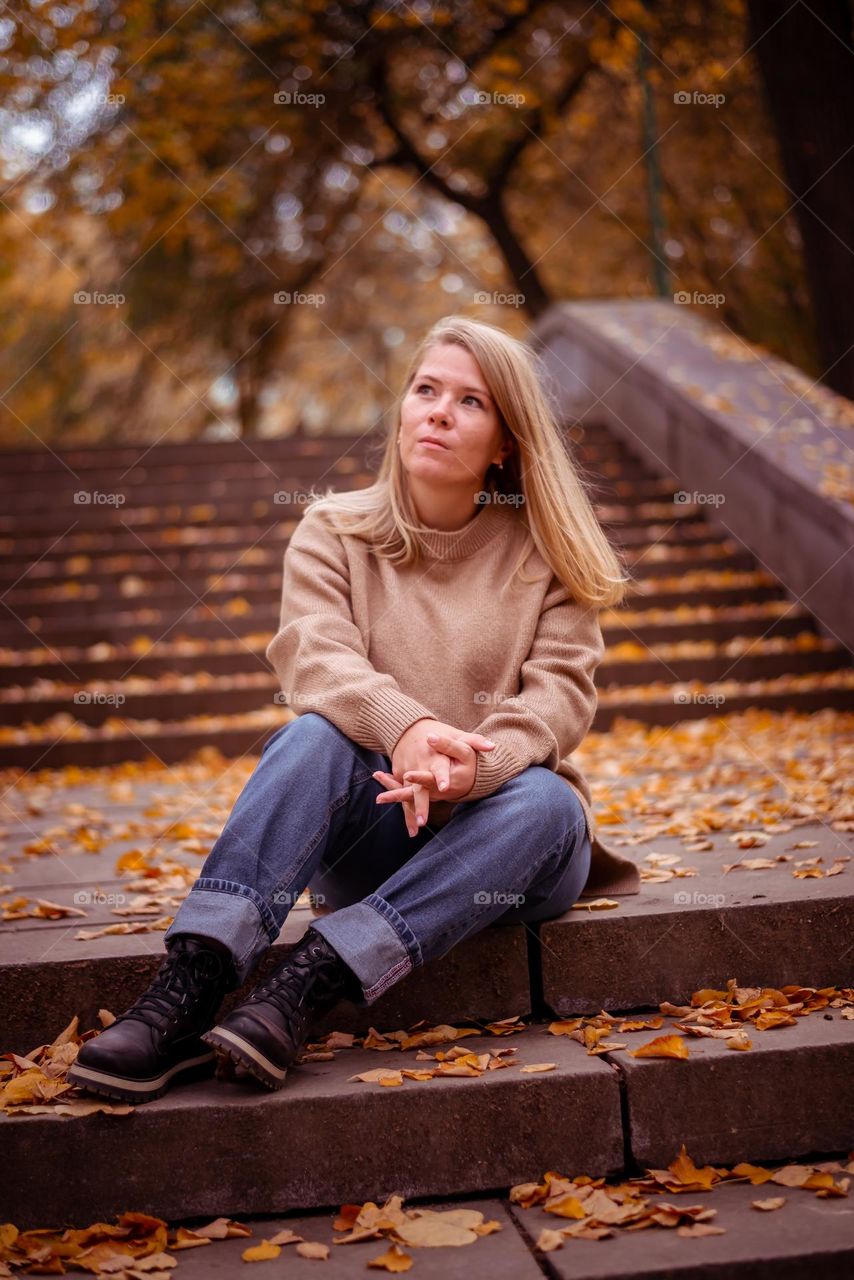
<point x="522" y="270"/>
<point x="806" y="59"/>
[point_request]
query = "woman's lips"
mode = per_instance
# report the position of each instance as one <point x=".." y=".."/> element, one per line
<point x="432" y="444"/>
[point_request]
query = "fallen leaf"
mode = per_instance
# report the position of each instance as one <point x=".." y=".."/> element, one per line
<point x="379" y="1075"/>
<point x="598" y="904"/>
<point x="313" y="1249"/>
<point x="662" y="1047"/>
<point x="394" y="1259"/>
<point x="286" y="1236"/>
<point x="262" y="1252"/>
<point x="433" y="1229"/>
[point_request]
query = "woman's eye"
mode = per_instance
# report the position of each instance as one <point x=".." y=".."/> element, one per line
<point x="425" y="386"/>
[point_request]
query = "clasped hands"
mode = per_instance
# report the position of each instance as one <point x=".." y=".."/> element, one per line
<point x="431" y="761"/>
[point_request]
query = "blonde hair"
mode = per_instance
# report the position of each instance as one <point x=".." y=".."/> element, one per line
<point x="557" y="511"/>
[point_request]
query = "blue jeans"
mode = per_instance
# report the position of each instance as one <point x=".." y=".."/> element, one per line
<point x="308" y="816"/>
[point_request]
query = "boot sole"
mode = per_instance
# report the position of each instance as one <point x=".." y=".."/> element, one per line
<point x="110" y="1084"/>
<point x="246" y="1055"/>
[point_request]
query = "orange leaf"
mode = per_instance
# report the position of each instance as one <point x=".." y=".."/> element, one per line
<point x="662" y="1047"/>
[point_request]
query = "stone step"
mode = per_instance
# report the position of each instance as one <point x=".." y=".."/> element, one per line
<point x="483" y="979"/>
<point x="257" y="480"/>
<point x="753" y="665"/>
<point x="65" y="740"/>
<point x="788" y="1095"/>
<point x="677" y="936"/>
<point x="232" y="1148"/>
<point x="140" y="463"/>
<point x="669" y="703"/>
<point x="810" y="1238"/>
<point x="244" y="652"/>
<point x="260" y="587"/>
<point x="765" y="926"/>
<point x="70" y="618"/>
<point x="145" y="460"/>
<point x="256" y="688"/>
<point x="20" y="552"/>
<point x="200" y="570"/>
<point x="745" y="656"/>
<point x="263" y="510"/>
<point x="701" y="622"/>
<point x="254" y="1151"/>
<point x="807" y="1239"/>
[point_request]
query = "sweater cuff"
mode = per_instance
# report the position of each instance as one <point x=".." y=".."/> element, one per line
<point x="492" y="770"/>
<point x="386" y="716"/>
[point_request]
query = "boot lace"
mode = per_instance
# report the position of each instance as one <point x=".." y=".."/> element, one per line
<point x="179" y="977"/>
<point x="310" y="972"/>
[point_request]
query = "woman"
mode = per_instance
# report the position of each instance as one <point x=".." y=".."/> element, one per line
<point x="438" y="640"/>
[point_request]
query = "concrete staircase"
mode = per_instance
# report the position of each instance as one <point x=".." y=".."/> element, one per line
<point x="132" y="662"/>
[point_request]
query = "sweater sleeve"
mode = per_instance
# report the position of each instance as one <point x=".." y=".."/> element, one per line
<point x="318" y="652"/>
<point x="556" y="702"/>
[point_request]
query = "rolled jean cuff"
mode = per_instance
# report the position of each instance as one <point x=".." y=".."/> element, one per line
<point x="233" y="914"/>
<point x="374" y="941"/>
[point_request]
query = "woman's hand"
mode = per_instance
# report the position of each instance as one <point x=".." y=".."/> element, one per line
<point x="432" y="761"/>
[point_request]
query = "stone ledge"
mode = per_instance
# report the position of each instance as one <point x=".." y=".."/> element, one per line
<point x="807" y="1239"/>
<point x="763" y="927"/>
<point x="233" y="1147"/>
<point x="485" y="977"/>
<point x="730" y="421"/>
<point x="789" y="1095"/>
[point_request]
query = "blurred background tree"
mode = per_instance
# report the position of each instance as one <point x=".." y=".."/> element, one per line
<point x="230" y="218"/>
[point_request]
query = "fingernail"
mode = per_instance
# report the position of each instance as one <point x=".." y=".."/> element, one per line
<point x="420" y="820"/>
<point x="443" y="786"/>
<point x="432" y="737"/>
<point x="489" y="742"/>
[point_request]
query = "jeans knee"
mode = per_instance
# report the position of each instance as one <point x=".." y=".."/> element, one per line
<point x="312" y="726"/>
<point x="549" y="801"/>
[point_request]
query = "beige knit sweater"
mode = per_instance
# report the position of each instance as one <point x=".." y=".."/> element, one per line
<point x="374" y="647"/>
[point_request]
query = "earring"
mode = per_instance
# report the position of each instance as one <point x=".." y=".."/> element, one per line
<point x="501" y="466"/>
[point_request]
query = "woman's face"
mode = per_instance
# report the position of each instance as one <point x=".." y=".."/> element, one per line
<point x="448" y="400"/>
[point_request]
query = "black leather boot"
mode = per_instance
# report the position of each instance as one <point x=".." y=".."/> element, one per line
<point x="266" y="1032"/>
<point x="140" y="1055"/>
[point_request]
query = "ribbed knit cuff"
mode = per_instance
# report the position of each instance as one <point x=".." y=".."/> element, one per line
<point x="492" y="769"/>
<point x="387" y="714"/>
